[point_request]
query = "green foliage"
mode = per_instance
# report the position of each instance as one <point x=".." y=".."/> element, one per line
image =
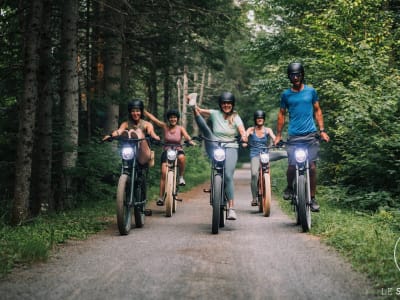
<point x="348" y="49"/>
<point x="34" y="240"/>
<point x="365" y="239"/>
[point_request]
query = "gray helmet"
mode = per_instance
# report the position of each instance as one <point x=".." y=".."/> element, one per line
<point x="295" y="68"/>
<point x="226" y="97"/>
<point x="136" y="103"/>
<point x="259" y="114"/>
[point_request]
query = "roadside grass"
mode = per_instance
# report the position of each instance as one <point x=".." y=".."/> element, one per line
<point x="34" y="240"/>
<point x="367" y="240"/>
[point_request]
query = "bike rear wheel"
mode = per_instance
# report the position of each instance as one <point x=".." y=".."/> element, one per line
<point x="303" y="206"/>
<point x="266" y="198"/>
<point x="124" y="216"/>
<point x="169" y="197"/>
<point x="216" y="203"/>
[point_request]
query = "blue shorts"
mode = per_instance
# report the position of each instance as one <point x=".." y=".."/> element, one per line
<point x="310" y="140"/>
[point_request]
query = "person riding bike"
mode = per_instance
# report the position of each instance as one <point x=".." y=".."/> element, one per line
<point x="226" y="125"/>
<point x="258" y="135"/>
<point x="173" y="134"/>
<point x="302" y="103"/>
<point x="137" y="128"/>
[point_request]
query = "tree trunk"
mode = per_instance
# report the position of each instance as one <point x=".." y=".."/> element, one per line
<point x="70" y="98"/>
<point x="42" y="198"/>
<point x="113" y="63"/>
<point x="27" y="112"/>
<point x="185" y="93"/>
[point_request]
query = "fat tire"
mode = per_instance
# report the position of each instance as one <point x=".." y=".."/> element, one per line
<point x="124" y="215"/>
<point x="216" y="203"/>
<point x="266" y="198"/>
<point x="169" y="197"/>
<point x="139" y="209"/>
<point x="260" y="194"/>
<point x="304" y="214"/>
<point x="175" y="194"/>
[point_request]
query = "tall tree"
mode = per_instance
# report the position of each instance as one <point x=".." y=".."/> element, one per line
<point x="69" y="98"/>
<point x="27" y="113"/>
<point x="113" y="61"/>
<point x="44" y="129"/>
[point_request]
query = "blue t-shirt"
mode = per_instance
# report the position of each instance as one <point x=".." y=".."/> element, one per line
<point x="301" y="110"/>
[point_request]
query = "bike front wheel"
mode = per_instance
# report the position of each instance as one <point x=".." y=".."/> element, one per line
<point x="169" y="197"/>
<point x="266" y="195"/>
<point x="140" y="192"/>
<point x="216" y="203"/>
<point x="124" y="216"/>
<point x="260" y="193"/>
<point x="304" y="209"/>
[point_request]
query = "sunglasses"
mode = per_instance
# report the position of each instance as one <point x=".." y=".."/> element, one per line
<point x="293" y="75"/>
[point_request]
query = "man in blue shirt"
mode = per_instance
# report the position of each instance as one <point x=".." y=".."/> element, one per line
<point x="302" y="103"/>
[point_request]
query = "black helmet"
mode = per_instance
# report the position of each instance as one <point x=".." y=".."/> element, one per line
<point x="226" y="97"/>
<point x="259" y="114"/>
<point x="295" y="68"/>
<point x="136" y="103"/>
<point x="173" y="112"/>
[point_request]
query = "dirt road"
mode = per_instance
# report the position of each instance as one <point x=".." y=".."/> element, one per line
<point x="178" y="258"/>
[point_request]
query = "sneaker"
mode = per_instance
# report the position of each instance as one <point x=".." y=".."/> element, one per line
<point x="192" y="99"/>
<point x="254" y="202"/>
<point x="314" y="205"/>
<point x="231" y="214"/>
<point x="287" y="193"/>
<point x="160" y="201"/>
<point x="182" y="181"/>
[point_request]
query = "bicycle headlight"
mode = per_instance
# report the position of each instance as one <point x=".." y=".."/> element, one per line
<point x="300" y="155"/>
<point x="219" y="154"/>
<point x="264" y="157"/>
<point x="127" y="153"/>
<point x="171" y="154"/>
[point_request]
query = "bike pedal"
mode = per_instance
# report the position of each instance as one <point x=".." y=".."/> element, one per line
<point x="206" y="190"/>
<point x="148" y="212"/>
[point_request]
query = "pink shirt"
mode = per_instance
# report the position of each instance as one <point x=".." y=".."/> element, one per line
<point x="173" y="136"/>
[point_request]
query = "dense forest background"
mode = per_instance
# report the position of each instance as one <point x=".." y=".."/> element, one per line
<point x="69" y="67"/>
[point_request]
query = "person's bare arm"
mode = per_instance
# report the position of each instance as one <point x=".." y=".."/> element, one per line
<point x="279" y="125"/>
<point x="242" y="132"/>
<point x="270" y="133"/>
<point x="320" y="121"/>
<point x="187" y="136"/>
<point x="151" y="132"/>
<point x="204" y="112"/>
<point x="154" y="119"/>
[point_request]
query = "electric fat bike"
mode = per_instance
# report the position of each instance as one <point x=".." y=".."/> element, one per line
<point x="171" y="177"/>
<point x="218" y="199"/>
<point x="131" y="190"/>
<point x="264" y="194"/>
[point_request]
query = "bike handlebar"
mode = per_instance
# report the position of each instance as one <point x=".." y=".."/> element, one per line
<point x="200" y="138"/>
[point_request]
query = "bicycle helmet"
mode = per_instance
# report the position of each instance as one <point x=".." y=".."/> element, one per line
<point x="295" y="68"/>
<point x="136" y="103"/>
<point x="173" y="112"/>
<point x="259" y="114"/>
<point x="226" y="97"/>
